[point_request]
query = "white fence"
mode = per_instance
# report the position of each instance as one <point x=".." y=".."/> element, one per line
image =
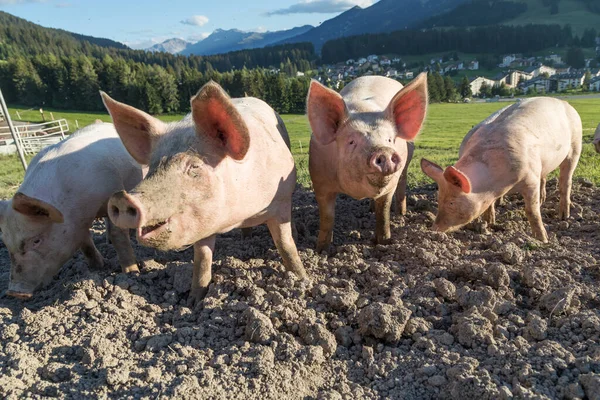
<point x="33" y="137"/>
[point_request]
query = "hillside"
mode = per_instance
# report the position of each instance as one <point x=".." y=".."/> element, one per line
<point x="224" y="41"/>
<point x="17" y="34"/>
<point x="383" y="16"/>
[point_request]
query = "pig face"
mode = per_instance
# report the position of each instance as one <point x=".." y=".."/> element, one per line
<point x="181" y="199"/>
<point x="457" y="204"/>
<point x="367" y="143"/>
<point x="34" y="235"/>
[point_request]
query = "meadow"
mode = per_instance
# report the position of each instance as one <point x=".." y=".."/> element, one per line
<point x="444" y="129"/>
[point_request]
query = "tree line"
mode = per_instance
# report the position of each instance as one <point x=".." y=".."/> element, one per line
<point x="19" y="37"/>
<point x="73" y="83"/>
<point x="483" y="39"/>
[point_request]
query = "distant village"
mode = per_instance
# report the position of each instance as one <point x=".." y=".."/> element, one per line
<point x="542" y="74"/>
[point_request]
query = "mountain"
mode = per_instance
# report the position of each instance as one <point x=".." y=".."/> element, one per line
<point x="172" y="46"/>
<point x="223" y="41"/>
<point x="383" y="16"/>
<point x="14" y="28"/>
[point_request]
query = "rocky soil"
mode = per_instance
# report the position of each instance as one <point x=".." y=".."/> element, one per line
<point x="487" y="312"/>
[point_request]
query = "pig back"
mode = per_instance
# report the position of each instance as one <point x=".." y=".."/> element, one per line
<point x="78" y="174"/>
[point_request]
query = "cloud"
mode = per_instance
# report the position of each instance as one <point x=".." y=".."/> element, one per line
<point x="9" y="2"/>
<point x="198" y="37"/>
<point x="321" y="7"/>
<point x="195" y="20"/>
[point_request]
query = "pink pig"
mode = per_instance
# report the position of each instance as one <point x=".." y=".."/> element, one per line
<point x="360" y="147"/>
<point x="596" y="140"/>
<point x="511" y="151"/>
<point x="225" y="166"/>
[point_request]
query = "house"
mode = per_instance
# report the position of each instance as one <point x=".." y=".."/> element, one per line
<point x="299" y="73"/>
<point x="507" y="60"/>
<point x="539" y="84"/>
<point x="391" y="73"/>
<point x="350" y="61"/>
<point x="569" y="80"/>
<point x="409" y="75"/>
<point x="372" y="58"/>
<point x="396" y="60"/>
<point x="540" y="70"/>
<point x="460" y="66"/>
<point x="554" y="58"/>
<point x="595" y="84"/>
<point x="513" y="78"/>
<point x="476" y="84"/>
<point x="474" y="65"/>
<point x="361" y="61"/>
<point x="385" y="61"/>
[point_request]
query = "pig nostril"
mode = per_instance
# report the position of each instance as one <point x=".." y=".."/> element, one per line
<point x="132" y="211"/>
<point x="396" y="159"/>
<point x="115" y="210"/>
<point x="379" y="160"/>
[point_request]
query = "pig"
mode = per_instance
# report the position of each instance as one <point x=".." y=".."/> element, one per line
<point x="511" y="151"/>
<point x="226" y="165"/>
<point x="597" y="139"/>
<point x="360" y="145"/>
<point x="66" y="186"/>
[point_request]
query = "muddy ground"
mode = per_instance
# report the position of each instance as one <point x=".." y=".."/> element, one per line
<point x="487" y="312"/>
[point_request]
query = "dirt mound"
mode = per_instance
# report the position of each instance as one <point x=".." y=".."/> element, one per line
<point x="486" y="312"/>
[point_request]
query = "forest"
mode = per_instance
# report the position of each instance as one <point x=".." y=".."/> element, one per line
<point x="483" y="39"/>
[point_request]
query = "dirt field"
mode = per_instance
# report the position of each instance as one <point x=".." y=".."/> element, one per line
<point x="486" y="312"/>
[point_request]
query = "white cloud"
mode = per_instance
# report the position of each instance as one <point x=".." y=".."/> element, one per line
<point x="196" y="20"/>
<point x="260" y="29"/>
<point x="321" y="6"/>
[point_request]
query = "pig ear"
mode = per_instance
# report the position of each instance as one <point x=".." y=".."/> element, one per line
<point x="326" y="111"/>
<point x="36" y="208"/>
<point x="215" y="116"/>
<point x="408" y="108"/>
<point x="458" y="179"/>
<point x="138" y="130"/>
<point x="432" y="170"/>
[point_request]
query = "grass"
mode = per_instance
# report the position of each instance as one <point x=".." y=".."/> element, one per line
<point x="445" y="127"/>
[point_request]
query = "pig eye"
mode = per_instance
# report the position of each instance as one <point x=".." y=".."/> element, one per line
<point x="352" y="142"/>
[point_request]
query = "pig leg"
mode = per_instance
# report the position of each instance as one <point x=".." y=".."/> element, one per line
<point x="401" y="193"/>
<point x="382" y="218"/>
<point x="281" y="232"/>
<point x="120" y="240"/>
<point x="326" y="204"/>
<point x="565" y="182"/>
<point x="489" y="215"/>
<point x="91" y="253"/>
<point x="531" y="195"/>
<point x="203" y="254"/>
<point x="543" y="190"/>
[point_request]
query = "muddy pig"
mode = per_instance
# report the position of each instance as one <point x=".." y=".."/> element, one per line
<point x="359" y="145"/>
<point x="596" y="140"/>
<point x="226" y="165"/>
<point x="511" y="151"/>
<point x="66" y="186"/>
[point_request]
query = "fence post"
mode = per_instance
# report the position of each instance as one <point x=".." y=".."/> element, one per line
<point x="13" y="132"/>
<point x="62" y="133"/>
<point x="77" y="124"/>
<point x="18" y="115"/>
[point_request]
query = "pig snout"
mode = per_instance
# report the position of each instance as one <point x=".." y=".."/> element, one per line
<point x="384" y="161"/>
<point x="125" y="211"/>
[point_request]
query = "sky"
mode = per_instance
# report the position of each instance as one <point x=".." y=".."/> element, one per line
<point x="139" y="24"/>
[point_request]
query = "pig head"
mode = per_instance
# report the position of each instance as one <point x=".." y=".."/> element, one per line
<point x="359" y="143"/>
<point x="32" y="233"/>
<point x="207" y="175"/>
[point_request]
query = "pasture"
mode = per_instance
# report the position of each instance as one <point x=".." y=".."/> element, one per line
<point x="444" y="129"/>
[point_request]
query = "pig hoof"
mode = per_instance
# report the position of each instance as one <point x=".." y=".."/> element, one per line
<point x="131" y="269"/>
<point x="97" y="264"/>
<point x="197" y="295"/>
<point x="322" y="248"/>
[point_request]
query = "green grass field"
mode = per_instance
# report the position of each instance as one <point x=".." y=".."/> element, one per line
<point x="444" y="130"/>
